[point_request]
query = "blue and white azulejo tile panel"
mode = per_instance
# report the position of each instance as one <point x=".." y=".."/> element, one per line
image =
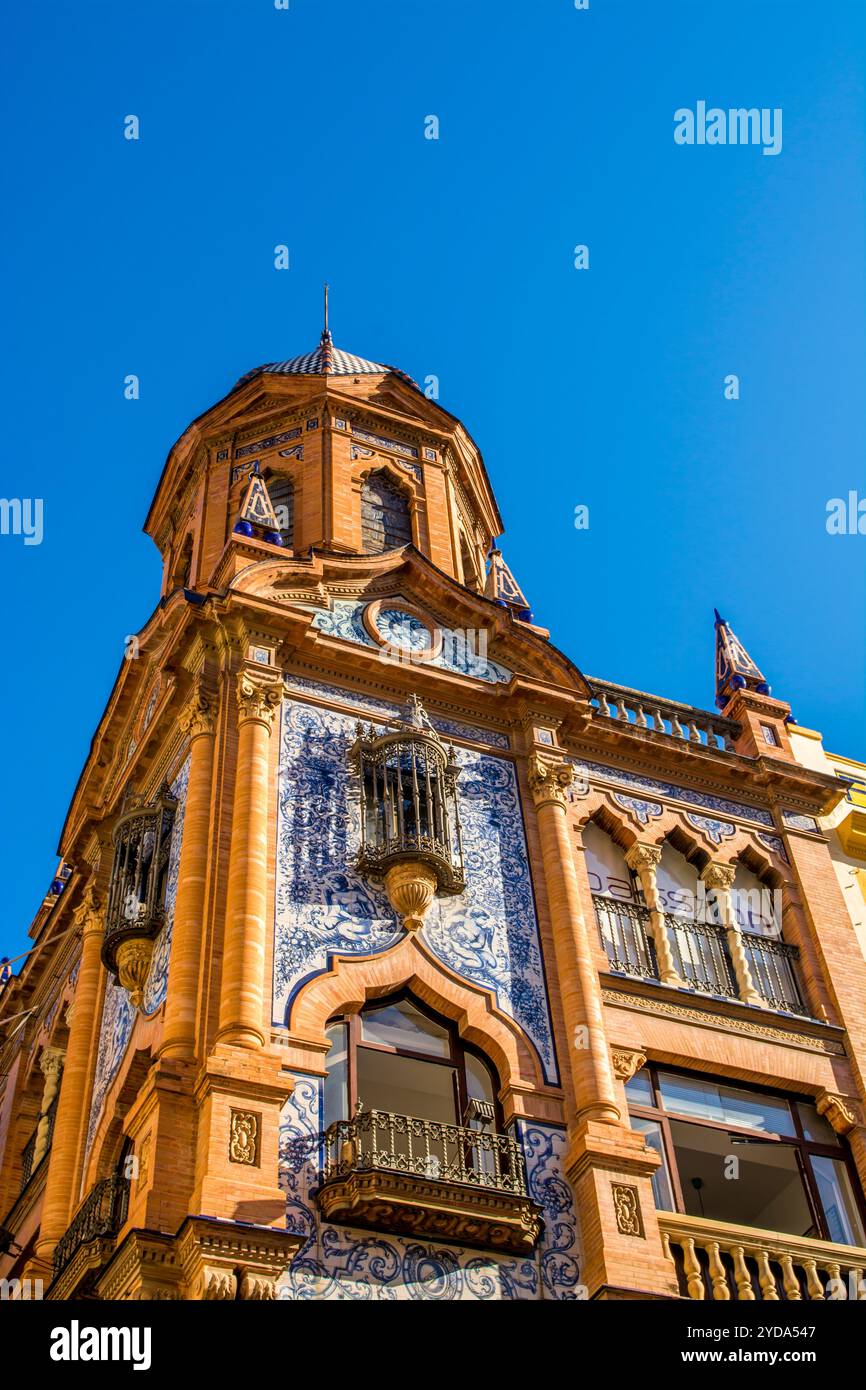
<point x="118" y="1015"/>
<point x="488" y="934"/>
<point x="341" y="1263"/>
<point x="402" y="630"/>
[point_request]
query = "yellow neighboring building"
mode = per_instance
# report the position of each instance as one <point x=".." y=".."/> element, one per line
<point x="845" y="825"/>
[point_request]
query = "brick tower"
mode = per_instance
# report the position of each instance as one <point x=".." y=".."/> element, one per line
<point x="392" y="956"/>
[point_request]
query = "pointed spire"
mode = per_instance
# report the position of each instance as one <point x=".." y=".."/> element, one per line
<point x="735" y="669"/>
<point x="326" y="341"/>
<point x="504" y="589"/>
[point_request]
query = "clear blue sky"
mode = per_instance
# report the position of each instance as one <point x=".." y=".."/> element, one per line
<point x="452" y="257"/>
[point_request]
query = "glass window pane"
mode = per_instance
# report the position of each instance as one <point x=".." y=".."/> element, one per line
<point x="761" y="1187"/>
<point x="479" y="1082"/>
<point x="815" y="1126"/>
<point x="640" y="1090"/>
<point x="652" y="1132"/>
<point x="404" y="1086"/>
<point x="837" y="1199"/>
<point x="336" y="1092"/>
<point x="726" y="1105"/>
<point x="401" y="1025"/>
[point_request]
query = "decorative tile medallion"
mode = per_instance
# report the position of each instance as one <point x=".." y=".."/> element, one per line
<point x="626" y="1204"/>
<point x="244" y="1137"/>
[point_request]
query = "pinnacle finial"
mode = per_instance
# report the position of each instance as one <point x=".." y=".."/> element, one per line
<point x="326" y="332"/>
<point x="735" y="669"/>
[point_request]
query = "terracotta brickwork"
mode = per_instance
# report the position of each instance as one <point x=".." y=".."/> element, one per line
<point x="180" y="1106"/>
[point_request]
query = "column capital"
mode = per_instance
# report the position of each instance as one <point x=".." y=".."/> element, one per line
<point x="51" y="1061"/>
<point x="643" y="856"/>
<point x="839" y="1111"/>
<point x="197" y="717"/>
<point x="258" y="697"/>
<point x="627" y="1061"/>
<point x="716" y="875"/>
<point x="549" y="781"/>
<point x="88" y="914"/>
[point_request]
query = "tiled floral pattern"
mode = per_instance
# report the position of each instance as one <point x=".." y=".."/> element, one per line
<point x="487" y="934"/>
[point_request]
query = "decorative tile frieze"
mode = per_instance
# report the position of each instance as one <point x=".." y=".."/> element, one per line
<point x="774" y="843"/>
<point x="600" y="772"/>
<point x="644" y="811"/>
<point x="795" y="820"/>
<point x="715" y="830"/>
<point x="259" y="445"/>
<point x="369" y="704"/>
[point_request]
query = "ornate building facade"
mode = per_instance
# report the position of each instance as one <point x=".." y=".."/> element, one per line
<point x="392" y="956"/>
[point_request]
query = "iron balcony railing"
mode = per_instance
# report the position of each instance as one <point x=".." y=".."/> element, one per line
<point x="774" y="971"/>
<point x="701" y="956"/>
<point x="625" y="935"/>
<point x="102" y="1213"/>
<point x="376" y="1140"/>
<point x="700" y="952"/>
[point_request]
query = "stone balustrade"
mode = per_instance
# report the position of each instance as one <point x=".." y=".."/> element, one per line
<point x="669" y="717"/>
<point x="726" y="1262"/>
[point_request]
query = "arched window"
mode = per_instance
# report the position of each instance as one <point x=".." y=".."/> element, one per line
<point x="281" y="491"/>
<point x="397" y="1057"/>
<point x="385" y="520"/>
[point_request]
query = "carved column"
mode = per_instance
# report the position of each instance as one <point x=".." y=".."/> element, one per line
<point x="645" y="859"/>
<point x="719" y="879"/>
<point x="594" y="1088"/>
<point x="243" y="977"/>
<point x="182" y="994"/>
<point x="61" y="1185"/>
<point x="51" y="1066"/>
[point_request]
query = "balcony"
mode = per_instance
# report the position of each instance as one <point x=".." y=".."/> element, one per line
<point x="99" y="1218"/>
<point x="721" y="1261"/>
<point x="700" y="952"/>
<point x="647" y="714"/>
<point x="417" y="1177"/>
